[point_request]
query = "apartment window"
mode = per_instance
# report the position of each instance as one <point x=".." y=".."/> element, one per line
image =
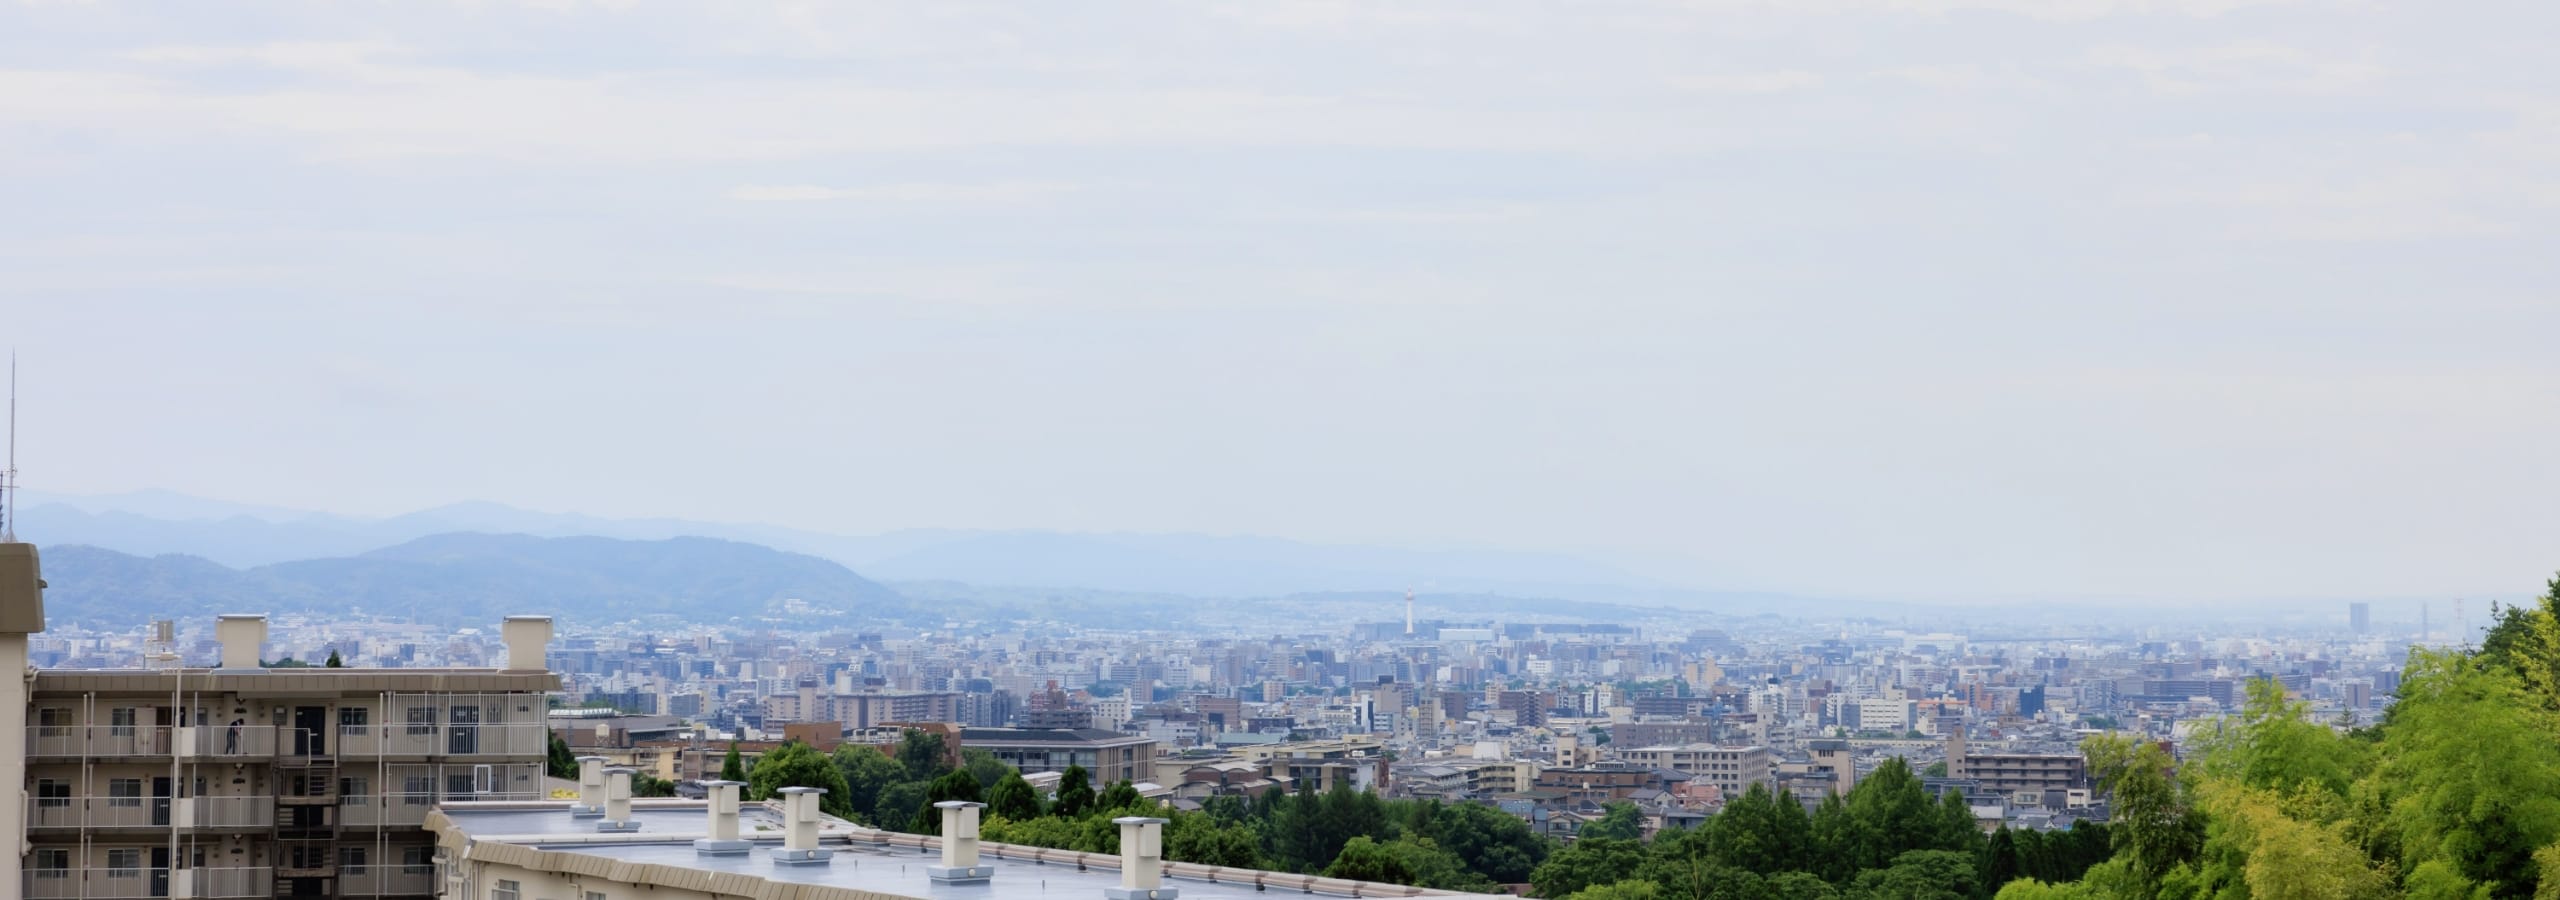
<point x="422" y="721"/>
<point x="353" y="717"/>
<point x="460" y="785"/>
<point x="120" y="721"/>
<point x="55" y="720"/>
<point x="417" y="790"/>
<point x="53" y="862"/>
<point x="351" y="858"/>
<point x="353" y="788"/>
<point x="417" y="860"/>
<point x="125" y="863"/>
<point x="507" y="889"/>
<point x="52" y="793"/>
<point x="124" y="792"/>
<point x="595" y="895"/>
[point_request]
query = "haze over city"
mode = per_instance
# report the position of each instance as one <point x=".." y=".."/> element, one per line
<point x="1950" y="300"/>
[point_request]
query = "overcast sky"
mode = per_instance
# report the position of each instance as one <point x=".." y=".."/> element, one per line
<point x="1937" y="298"/>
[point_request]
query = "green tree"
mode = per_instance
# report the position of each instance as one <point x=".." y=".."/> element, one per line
<point x="646" y="785"/>
<point x="1923" y="875"/>
<point x="1584" y="863"/>
<point x="1488" y="841"/>
<point x="334" y="662"/>
<point x="1075" y="793"/>
<point x="2154" y="824"/>
<point x="2470" y="775"/>
<point x="561" y="762"/>
<point x="1619" y="821"/>
<point x="1622" y="890"/>
<point x="898" y="803"/>
<point x="1013" y="798"/>
<point x="923" y="754"/>
<point x="731" y="769"/>
<point x="957" y="784"/>
<point x="984" y="766"/>
<point x="1761" y="832"/>
<point x="867" y="772"/>
<point x="1121" y="796"/>
<point x="1200" y="838"/>
<point x="795" y="764"/>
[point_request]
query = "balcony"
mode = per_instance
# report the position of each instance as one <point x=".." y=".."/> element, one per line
<point x="530" y="739"/>
<point x="87" y="741"/>
<point x="226" y="813"/>
<point x="98" y="812"/>
<point x="377" y="881"/>
<point x="221" y="884"/>
<point x="103" y="884"/>
<point x="228" y="741"/>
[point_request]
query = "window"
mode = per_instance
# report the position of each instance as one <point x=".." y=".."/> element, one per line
<point x="120" y="721"/>
<point x="418" y="861"/>
<point x="53" y="794"/>
<point x="507" y="889"/>
<point x="351" y="858"/>
<point x="353" y="718"/>
<point x="124" y="792"/>
<point x="417" y="790"/>
<point x="422" y="721"/>
<point x="460" y="786"/>
<point x="53" y="862"/>
<point x="353" y="788"/>
<point x="126" y="863"/>
<point x="595" y="895"/>
<point x="55" y="720"/>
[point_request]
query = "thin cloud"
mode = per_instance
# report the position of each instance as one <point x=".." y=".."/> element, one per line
<point x="992" y="193"/>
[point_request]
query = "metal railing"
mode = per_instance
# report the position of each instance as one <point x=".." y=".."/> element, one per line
<point x="374" y="881"/>
<point x="151" y="812"/>
<point x="98" y="812"/>
<point x="94" y="884"/>
<point x="374" y="810"/>
<point x="99" y="740"/>
<point x="444" y="739"/>
<point x="229" y="741"/>
<point x="213" y="884"/>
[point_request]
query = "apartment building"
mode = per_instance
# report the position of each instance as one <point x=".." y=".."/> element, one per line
<point x="240" y="781"/>
<point x="1731" y="769"/>
<point x="1106" y="755"/>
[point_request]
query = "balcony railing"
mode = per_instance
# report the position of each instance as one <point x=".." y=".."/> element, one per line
<point x="150" y="812"/>
<point x="99" y="812"/>
<point x="525" y="739"/>
<point x="220" y="884"/>
<point x="229" y="741"/>
<point x="95" y="884"/>
<point x="375" y="881"/>
<point x="99" y="740"/>
<point x="376" y="810"/>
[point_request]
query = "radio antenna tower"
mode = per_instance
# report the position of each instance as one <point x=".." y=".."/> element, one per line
<point x="9" y="476"/>
<point x="1408" y="609"/>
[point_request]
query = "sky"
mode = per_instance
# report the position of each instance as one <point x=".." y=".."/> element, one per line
<point x="2177" y="299"/>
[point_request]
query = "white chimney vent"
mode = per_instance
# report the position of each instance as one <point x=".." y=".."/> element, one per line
<point x="617" y="801"/>
<point x="590" y="788"/>
<point x="800" y="828"/>
<point x="959" y="845"/>
<point x="1141" y="861"/>
<point x="724" y="840"/>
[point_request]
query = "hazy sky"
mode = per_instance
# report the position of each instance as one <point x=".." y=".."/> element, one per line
<point x="2172" y="298"/>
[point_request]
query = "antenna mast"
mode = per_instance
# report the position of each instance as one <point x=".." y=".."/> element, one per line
<point x="9" y="476"/>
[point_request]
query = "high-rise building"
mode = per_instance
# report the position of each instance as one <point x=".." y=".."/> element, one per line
<point x="2360" y="617"/>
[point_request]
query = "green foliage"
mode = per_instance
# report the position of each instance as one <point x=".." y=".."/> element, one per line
<point x="2470" y="774"/>
<point x="646" y="785"/>
<point x="1624" y="890"/>
<point x="956" y="784"/>
<point x="1619" y="821"/>
<point x="1488" y="841"/>
<point x="561" y="762"/>
<point x="1405" y="860"/>
<point x="334" y="661"/>
<point x="867" y="772"/>
<point x="1013" y="798"/>
<point x="1762" y="833"/>
<point x="731" y="769"/>
<point x="795" y="764"/>
<point x="896" y="808"/>
<point x="1922" y="875"/>
<point x="1202" y="838"/>
<point x="984" y="766"/>
<point x="1584" y="863"/>
<point x="2154" y="825"/>
<point x="1121" y="797"/>
<point x="1075" y="793"/>
<point x="923" y="755"/>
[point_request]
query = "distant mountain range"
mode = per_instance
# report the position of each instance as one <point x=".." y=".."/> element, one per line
<point x="478" y="578"/>
<point x="152" y="523"/>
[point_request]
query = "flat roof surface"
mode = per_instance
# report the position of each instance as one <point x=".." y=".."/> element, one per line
<point x="863" y="860"/>
<point x="901" y="870"/>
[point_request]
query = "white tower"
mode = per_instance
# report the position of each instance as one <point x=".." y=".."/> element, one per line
<point x="1408" y="612"/>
